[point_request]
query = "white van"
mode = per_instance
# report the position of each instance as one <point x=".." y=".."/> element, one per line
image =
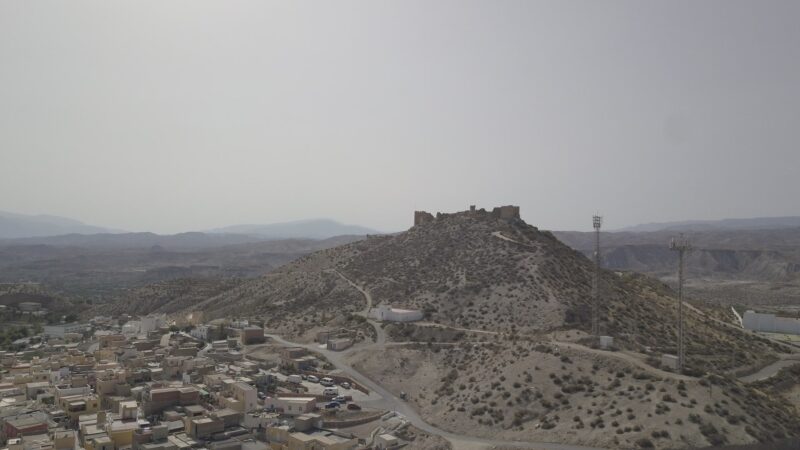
<point x="297" y="379"/>
<point x="312" y="379"/>
<point x="330" y="392"/>
<point x="326" y="381"/>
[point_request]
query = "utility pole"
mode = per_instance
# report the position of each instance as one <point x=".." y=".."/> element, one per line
<point x="596" y="222"/>
<point x="680" y="245"/>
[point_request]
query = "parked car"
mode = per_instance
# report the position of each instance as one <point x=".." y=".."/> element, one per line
<point x="330" y="392"/>
<point x="312" y="379"/>
<point x="345" y="385"/>
<point x="353" y="407"/>
<point x="294" y="379"/>
<point x="262" y="395"/>
<point x="332" y="405"/>
<point x="326" y="381"/>
<point x="340" y="399"/>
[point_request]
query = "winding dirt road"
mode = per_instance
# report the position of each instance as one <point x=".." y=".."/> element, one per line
<point x="380" y="334"/>
<point x="635" y="359"/>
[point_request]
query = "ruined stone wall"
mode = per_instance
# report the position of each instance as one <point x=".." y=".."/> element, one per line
<point x="500" y="212"/>
<point x="421" y="217"/>
<point x="506" y="212"/>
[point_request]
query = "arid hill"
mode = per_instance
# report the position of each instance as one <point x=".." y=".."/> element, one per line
<point x="503" y="347"/>
<point x="171" y="296"/>
<point x="472" y="270"/>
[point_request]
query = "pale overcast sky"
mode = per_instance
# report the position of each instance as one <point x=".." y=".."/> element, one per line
<point x="188" y="115"/>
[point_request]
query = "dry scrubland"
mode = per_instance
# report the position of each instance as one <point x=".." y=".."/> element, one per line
<point x="785" y="384"/>
<point x="524" y="390"/>
<point x="419" y="440"/>
<point x="168" y="296"/>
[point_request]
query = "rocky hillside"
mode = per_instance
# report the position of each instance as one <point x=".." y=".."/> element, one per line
<point x="171" y="296"/>
<point x="479" y="272"/>
<point x="527" y="390"/>
<point x="462" y="270"/>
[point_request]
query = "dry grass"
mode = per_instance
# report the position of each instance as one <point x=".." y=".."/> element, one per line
<point x="523" y="391"/>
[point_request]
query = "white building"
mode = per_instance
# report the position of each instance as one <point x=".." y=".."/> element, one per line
<point x="386" y="441"/>
<point x="291" y="406"/>
<point x="145" y="325"/>
<point x="386" y="313"/>
<point x="131" y="328"/>
<point x="61" y="330"/>
<point x="770" y="323"/>
<point x="240" y="323"/>
<point x="339" y="344"/>
<point x="200" y="332"/>
<point x="152" y="323"/>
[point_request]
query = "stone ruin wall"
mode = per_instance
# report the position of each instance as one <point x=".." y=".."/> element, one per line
<point x="501" y="212"/>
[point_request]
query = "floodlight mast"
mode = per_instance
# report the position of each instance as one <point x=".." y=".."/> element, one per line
<point x="597" y="221"/>
<point x="680" y="245"/>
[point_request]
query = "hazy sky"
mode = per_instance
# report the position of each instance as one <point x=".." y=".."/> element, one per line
<point x="187" y="115"/>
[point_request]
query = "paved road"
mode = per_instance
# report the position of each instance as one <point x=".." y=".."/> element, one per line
<point x="391" y="402"/>
<point x="772" y="369"/>
<point x="203" y="351"/>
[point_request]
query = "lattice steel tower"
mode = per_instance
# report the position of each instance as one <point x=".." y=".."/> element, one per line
<point x="680" y="245"/>
<point x="596" y="222"/>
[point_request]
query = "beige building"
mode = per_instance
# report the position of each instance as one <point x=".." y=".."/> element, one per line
<point x="319" y="440"/>
<point x="64" y="440"/>
<point x="204" y="427"/>
<point x="240" y="396"/>
<point x="291" y="406"/>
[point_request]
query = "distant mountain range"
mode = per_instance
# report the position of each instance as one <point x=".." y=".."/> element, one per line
<point x="310" y="229"/>
<point x="74" y="232"/>
<point x="22" y="226"/>
<point x="755" y="223"/>
<point x="180" y="241"/>
<point x="65" y="231"/>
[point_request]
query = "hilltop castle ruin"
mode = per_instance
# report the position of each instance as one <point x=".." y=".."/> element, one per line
<point x="501" y="212"/>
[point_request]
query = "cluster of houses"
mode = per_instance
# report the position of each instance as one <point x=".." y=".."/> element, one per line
<point x="125" y="383"/>
<point x="27" y="308"/>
